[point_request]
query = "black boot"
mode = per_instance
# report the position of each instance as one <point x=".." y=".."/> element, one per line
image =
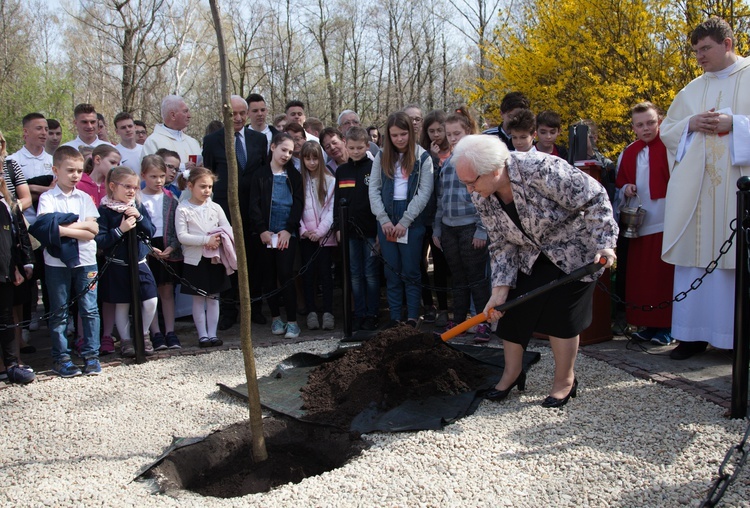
<point x="685" y="350"/>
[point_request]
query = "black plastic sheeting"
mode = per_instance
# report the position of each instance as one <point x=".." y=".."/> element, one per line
<point x="280" y="392"/>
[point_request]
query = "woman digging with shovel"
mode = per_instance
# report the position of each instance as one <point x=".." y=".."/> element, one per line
<point x="544" y="219"/>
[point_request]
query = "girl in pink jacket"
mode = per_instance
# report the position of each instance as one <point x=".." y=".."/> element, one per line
<point x="316" y="233"/>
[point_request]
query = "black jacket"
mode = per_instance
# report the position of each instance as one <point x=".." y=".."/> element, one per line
<point x="109" y="233"/>
<point x="215" y="159"/>
<point x="352" y="179"/>
<point x="15" y="246"/>
<point x="259" y="205"/>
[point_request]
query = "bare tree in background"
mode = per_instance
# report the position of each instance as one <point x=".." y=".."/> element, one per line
<point x="246" y="45"/>
<point x="479" y="16"/>
<point x="284" y="54"/>
<point x="322" y="25"/>
<point x="133" y="40"/>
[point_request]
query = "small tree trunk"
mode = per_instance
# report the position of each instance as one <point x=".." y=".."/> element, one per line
<point x="256" y="417"/>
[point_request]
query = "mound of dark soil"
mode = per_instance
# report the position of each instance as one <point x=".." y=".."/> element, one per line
<point x="398" y="364"/>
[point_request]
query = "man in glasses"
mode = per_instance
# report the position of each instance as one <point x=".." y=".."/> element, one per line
<point x="707" y="135"/>
<point x="141" y="132"/>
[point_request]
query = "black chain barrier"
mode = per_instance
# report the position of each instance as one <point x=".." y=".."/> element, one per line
<point x="201" y="292"/>
<point x="633" y="344"/>
<point x="71" y="301"/>
<point x="682" y="294"/>
<point x="728" y="471"/>
<point x="146" y="241"/>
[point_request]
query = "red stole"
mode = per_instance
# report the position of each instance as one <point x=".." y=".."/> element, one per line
<point x="658" y="166"/>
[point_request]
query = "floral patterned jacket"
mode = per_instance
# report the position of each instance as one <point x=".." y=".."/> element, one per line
<point x="565" y="214"/>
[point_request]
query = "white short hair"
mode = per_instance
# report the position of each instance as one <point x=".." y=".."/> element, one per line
<point x="484" y="152"/>
<point x="239" y="98"/>
<point x="170" y="103"/>
<point x="347" y="112"/>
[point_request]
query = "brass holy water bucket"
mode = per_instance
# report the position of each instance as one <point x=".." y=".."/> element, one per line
<point x="631" y="218"/>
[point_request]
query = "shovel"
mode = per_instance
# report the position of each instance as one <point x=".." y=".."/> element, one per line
<point x="482" y="317"/>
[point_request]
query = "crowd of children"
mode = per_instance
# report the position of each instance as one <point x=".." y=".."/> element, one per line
<point x="404" y="199"/>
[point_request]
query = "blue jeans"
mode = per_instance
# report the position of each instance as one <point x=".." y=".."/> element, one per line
<point x="62" y="284"/>
<point x="365" y="276"/>
<point x="403" y="261"/>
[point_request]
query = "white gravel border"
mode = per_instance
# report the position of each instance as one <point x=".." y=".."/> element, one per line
<point x="622" y="442"/>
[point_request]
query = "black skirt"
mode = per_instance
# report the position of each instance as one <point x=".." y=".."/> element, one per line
<point x="563" y="312"/>
<point x="162" y="276"/>
<point x="211" y="278"/>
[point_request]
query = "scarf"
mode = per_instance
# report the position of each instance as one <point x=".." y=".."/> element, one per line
<point x="658" y="172"/>
<point x="117" y="206"/>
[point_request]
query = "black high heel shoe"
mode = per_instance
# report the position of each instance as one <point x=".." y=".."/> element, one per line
<point x="553" y="402"/>
<point x="498" y="395"/>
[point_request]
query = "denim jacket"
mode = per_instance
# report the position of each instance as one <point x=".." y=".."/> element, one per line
<point x="420" y="187"/>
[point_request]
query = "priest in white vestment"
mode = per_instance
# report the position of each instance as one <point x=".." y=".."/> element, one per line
<point x="707" y="135"/>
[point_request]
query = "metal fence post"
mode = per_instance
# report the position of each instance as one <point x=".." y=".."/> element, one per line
<point x="135" y="298"/>
<point x="345" y="272"/>
<point x="741" y="356"/>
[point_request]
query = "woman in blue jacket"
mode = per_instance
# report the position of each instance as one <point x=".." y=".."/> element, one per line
<point x="401" y="184"/>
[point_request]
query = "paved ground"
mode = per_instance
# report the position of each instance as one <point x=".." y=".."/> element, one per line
<point x="708" y="375"/>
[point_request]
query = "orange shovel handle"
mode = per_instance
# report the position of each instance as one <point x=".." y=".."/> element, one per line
<point x="482" y="317"/>
<point x="462" y="327"/>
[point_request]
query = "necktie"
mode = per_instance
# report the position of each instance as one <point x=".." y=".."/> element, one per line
<point x="240" y="151"/>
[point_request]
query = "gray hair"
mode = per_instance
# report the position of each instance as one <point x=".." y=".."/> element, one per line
<point x="239" y="98"/>
<point x="169" y="104"/>
<point x="485" y="153"/>
<point x="346" y="112"/>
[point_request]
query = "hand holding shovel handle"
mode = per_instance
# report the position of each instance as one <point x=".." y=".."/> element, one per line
<point x="482" y="317"/>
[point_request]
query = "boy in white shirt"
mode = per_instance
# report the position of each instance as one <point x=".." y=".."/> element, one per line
<point x="66" y="279"/>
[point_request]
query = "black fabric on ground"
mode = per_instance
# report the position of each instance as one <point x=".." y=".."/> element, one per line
<point x="280" y="392"/>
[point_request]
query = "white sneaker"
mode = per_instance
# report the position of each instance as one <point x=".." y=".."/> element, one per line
<point x="24" y="336"/>
<point x="312" y="321"/>
<point x="327" y="321"/>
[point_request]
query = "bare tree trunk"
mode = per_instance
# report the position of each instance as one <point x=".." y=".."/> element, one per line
<point x="444" y="91"/>
<point x="256" y="417"/>
<point x="128" y="70"/>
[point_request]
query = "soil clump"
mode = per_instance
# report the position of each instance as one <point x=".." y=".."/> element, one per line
<point x="398" y="364"/>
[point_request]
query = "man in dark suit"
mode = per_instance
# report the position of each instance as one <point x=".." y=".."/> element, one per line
<point x="251" y="149"/>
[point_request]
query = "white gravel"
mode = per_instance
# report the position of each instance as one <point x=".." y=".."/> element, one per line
<point x="622" y="442"/>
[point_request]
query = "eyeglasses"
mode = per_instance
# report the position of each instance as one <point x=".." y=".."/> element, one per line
<point x="128" y="187"/>
<point x="416" y="119"/>
<point x="171" y="166"/>
<point x="351" y="122"/>
<point x="141" y="133"/>
<point x="472" y="183"/>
